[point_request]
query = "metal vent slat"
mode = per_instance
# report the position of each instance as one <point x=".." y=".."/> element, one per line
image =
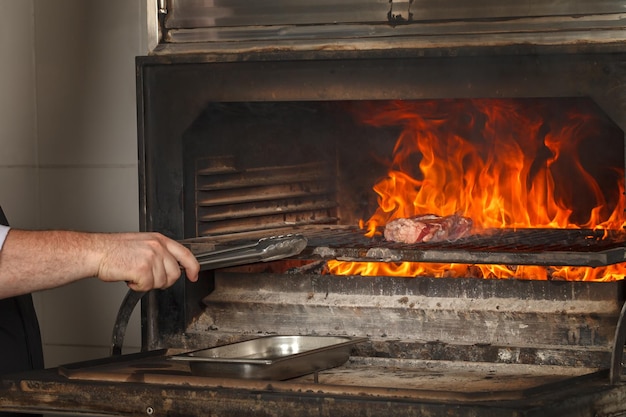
<point x="232" y="233"/>
<point x="256" y="211"/>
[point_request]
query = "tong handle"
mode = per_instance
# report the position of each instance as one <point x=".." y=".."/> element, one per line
<point x="265" y="250"/>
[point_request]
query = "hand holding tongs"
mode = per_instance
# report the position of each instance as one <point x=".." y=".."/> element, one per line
<point x="265" y="250"/>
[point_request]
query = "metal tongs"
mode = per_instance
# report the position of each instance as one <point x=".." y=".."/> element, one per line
<point x="265" y="250"/>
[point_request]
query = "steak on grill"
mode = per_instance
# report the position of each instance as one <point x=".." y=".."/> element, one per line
<point x="428" y="228"/>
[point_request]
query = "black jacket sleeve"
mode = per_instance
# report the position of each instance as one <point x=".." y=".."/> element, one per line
<point x="20" y="338"/>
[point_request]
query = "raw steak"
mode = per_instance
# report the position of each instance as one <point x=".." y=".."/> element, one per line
<point x="428" y="228"/>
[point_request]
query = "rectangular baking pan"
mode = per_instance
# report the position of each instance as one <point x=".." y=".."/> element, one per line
<point x="271" y="357"/>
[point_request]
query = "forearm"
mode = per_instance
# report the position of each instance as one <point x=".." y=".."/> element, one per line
<point x="38" y="260"/>
<point x="32" y="261"/>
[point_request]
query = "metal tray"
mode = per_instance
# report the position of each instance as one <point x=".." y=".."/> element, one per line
<point x="271" y="357"/>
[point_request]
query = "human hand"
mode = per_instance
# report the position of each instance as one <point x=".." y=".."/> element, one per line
<point x="145" y="260"/>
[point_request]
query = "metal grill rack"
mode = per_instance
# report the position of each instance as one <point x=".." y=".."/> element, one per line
<point x="542" y="247"/>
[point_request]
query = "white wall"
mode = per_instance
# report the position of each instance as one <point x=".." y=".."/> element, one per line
<point x="18" y="128"/>
<point x="69" y="155"/>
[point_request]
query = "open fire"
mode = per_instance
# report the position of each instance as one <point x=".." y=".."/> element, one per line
<point x="504" y="163"/>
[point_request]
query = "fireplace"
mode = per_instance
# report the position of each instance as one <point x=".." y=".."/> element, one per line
<point x="281" y="140"/>
<point x="254" y="131"/>
<point x="278" y="143"/>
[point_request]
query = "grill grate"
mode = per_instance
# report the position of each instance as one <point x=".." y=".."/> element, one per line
<point x="542" y="247"/>
<point x="546" y="247"/>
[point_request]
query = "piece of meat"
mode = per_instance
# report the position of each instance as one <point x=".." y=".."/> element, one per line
<point x="428" y="228"/>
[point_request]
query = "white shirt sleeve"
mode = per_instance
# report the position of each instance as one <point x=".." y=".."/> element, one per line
<point x="4" y="230"/>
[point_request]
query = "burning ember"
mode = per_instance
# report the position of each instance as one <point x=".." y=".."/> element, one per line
<point x="503" y="163"/>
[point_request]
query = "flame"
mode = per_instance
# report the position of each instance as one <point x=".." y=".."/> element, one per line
<point x="504" y="164"/>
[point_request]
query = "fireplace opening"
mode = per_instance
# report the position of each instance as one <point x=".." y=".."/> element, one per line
<point x="237" y="151"/>
<point x="506" y="164"/>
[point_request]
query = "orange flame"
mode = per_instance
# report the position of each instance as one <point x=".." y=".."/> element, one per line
<point x="503" y="163"/>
